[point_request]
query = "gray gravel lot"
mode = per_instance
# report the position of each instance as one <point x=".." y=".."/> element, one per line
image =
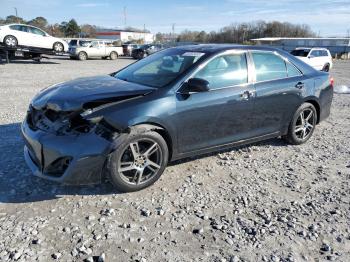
<point x="266" y="202"/>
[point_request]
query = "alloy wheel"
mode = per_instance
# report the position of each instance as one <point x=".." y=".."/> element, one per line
<point x="58" y="47"/>
<point x="140" y="161"/>
<point x="305" y="124"/>
<point x="10" y="41"/>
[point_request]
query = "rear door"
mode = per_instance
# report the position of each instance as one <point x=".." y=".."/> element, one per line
<point x="24" y="37"/>
<point x="221" y="115"/>
<point x="279" y="85"/>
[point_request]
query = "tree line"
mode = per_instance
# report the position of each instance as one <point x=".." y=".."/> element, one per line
<point x="242" y="33"/>
<point x="234" y="33"/>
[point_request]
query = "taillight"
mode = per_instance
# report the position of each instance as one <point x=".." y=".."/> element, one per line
<point x="331" y="81"/>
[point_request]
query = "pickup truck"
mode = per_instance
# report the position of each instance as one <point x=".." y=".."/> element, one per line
<point x="97" y="48"/>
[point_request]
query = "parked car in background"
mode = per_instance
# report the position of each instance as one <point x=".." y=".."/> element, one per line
<point x="180" y="102"/>
<point x="127" y="48"/>
<point x="96" y="49"/>
<point x="14" y="35"/>
<point x="146" y="50"/>
<point x="318" y="58"/>
<point x="79" y="42"/>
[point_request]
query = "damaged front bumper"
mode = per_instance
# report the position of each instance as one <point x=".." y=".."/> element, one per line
<point x="68" y="159"/>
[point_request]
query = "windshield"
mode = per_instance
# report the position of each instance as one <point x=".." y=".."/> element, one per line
<point x="300" y="52"/>
<point x="160" y="69"/>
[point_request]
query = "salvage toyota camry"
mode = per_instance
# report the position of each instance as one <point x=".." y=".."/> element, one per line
<point x="180" y="102"/>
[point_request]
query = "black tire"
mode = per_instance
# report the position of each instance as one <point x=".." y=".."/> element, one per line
<point x="82" y="56"/>
<point x="113" y="56"/>
<point x="300" y="131"/>
<point x="10" y="41"/>
<point x="326" y="68"/>
<point x="119" y="179"/>
<point x="58" y="47"/>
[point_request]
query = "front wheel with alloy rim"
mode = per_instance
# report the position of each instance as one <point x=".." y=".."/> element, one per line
<point x="10" y="41"/>
<point x="138" y="161"/>
<point x="302" y="125"/>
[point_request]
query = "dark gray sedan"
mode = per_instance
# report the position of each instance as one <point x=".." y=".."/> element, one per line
<point x="179" y="102"/>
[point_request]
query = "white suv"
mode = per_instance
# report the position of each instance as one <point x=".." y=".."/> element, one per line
<point x="318" y="58"/>
<point x="25" y="35"/>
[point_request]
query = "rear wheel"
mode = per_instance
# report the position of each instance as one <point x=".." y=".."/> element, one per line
<point x="138" y="162"/>
<point x="303" y="124"/>
<point x="326" y="68"/>
<point x="58" y="47"/>
<point x="82" y="56"/>
<point x="10" y="41"/>
<point x="113" y="56"/>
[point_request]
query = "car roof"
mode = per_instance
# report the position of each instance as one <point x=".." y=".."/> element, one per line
<point x="216" y="48"/>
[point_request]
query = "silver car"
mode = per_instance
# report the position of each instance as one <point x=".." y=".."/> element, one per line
<point x="96" y="49"/>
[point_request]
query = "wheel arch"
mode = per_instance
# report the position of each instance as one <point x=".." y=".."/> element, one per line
<point x="114" y="52"/>
<point x="149" y="126"/>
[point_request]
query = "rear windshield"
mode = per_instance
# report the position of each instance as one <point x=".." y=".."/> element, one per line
<point x="300" y="52"/>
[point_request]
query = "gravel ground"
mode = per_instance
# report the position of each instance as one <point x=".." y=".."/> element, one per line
<point x="266" y="202"/>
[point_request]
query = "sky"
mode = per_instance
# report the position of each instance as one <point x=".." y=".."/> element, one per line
<point x="326" y="17"/>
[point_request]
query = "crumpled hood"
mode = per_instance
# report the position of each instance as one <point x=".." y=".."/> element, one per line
<point x="85" y="92"/>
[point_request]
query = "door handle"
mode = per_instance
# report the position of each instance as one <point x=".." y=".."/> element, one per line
<point x="247" y="94"/>
<point x="299" y="85"/>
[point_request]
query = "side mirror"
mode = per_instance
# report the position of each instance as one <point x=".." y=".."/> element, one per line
<point x="311" y="56"/>
<point x="196" y="85"/>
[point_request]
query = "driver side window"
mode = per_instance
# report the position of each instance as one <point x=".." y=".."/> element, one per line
<point x="224" y="71"/>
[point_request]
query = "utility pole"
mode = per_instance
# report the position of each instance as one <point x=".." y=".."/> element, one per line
<point x="16" y="14"/>
<point x="144" y="33"/>
<point x="173" y="32"/>
<point x="124" y="17"/>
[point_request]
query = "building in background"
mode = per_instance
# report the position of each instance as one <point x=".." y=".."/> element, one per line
<point x="125" y="35"/>
<point x="339" y="47"/>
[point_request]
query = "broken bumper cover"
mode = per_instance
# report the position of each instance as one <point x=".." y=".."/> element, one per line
<point x="69" y="159"/>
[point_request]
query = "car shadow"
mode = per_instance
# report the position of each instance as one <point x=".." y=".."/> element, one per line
<point x="17" y="185"/>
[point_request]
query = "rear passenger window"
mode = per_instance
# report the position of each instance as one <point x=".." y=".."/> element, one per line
<point x="224" y="71"/>
<point x="268" y="66"/>
<point x="292" y="70"/>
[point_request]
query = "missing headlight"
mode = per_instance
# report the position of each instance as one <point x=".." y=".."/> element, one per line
<point x="105" y="130"/>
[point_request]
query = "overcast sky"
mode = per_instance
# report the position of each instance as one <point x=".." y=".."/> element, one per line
<point x="327" y="17"/>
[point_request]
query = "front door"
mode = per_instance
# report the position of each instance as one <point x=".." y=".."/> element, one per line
<point x="222" y="114"/>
